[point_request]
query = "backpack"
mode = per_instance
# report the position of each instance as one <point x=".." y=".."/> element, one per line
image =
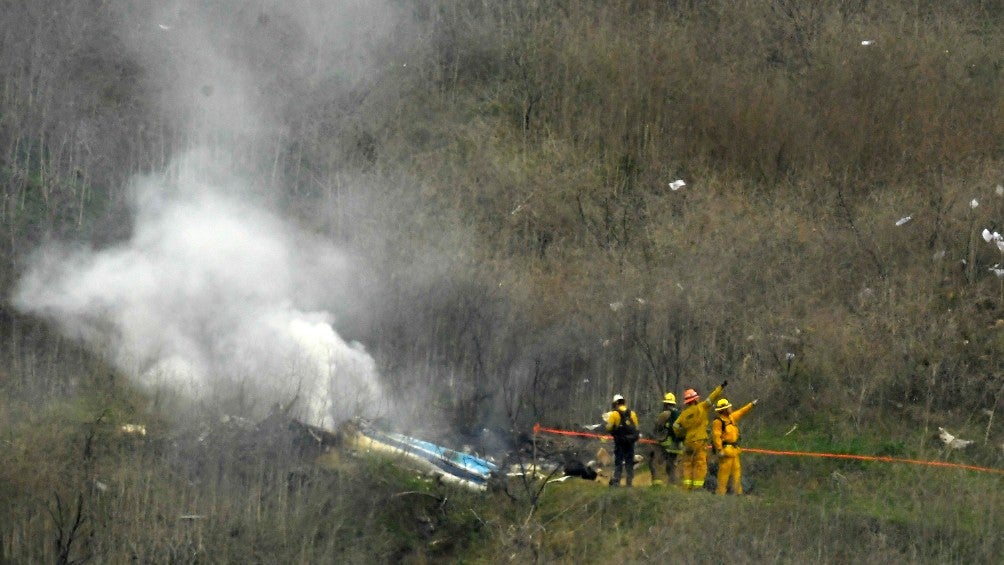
<point x="627" y="430"/>
<point x="674" y="413"/>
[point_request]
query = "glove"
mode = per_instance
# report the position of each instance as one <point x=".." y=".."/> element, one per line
<point x="725" y="384"/>
<point x="755" y="400"/>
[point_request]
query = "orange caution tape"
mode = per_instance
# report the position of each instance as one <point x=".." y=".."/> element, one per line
<point x="537" y="429"/>
<point x="881" y="458"/>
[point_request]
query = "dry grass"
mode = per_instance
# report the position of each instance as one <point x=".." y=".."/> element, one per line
<point x="510" y="187"/>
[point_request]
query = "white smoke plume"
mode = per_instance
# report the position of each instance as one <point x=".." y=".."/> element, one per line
<point x="213" y="294"/>
<point x="206" y="297"/>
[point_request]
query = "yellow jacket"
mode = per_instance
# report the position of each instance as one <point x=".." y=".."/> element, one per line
<point x="614" y="418"/>
<point x="725" y="429"/>
<point x="693" y="421"/>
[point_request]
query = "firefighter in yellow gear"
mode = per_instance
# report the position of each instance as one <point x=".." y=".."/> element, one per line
<point x="692" y="425"/>
<point x="725" y="440"/>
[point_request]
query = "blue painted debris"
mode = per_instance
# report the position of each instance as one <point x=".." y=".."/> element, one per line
<point x="455" y="466"/>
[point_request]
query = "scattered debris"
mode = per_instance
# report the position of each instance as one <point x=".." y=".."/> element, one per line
<point x="133" y="429"/>
<point x="793" y="428"/>
<point x="902" y="221"/>
<point x="974" y="203"/>
<point x="951" y="441"/>
<point x="450" y="465"/>
<point x="868" y="42"/>
<point x="531" y="470"/>
<point x="677" y="185"/>
<point x="996" y="239"/>
<point x="321" y="437"/>
<point x="575" y="468"/>
<point x="604" y="458"/>
<point x="192" y="517"/>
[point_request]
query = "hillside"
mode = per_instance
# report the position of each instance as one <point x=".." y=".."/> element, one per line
<point x="468" y="212"/>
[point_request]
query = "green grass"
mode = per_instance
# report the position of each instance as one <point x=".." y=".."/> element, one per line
<point x="873" y="522"/>
<point x="501" y="234"/>
<point x="263" y="503"/>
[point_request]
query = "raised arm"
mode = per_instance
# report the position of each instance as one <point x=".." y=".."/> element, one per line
<point x="716" y="394"/>
<point x="738" y="414"/>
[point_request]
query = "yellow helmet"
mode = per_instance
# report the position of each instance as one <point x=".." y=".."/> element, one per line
<point x="670" y="398"/>
<point x="723" y="404"/>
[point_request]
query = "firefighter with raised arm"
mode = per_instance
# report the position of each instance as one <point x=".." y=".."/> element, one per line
<point x="622" y="423"/>
<point x="693" y="426"/>
<point x="725" y="440"/>
<point x="663" y="455"/>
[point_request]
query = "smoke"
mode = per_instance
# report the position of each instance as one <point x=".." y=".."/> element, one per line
<point x="214" y="295"/>
<point x="206" y="297"/>
<point x="244" y="68"/>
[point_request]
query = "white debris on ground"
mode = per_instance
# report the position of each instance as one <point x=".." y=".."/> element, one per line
<point x="603" y="458"/>
<point x="951" y="441"/>
<point x="133" y="429"/>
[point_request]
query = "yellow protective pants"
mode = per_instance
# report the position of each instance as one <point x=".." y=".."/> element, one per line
<point x="729" y="468"/>
<point x="695" y="464"/>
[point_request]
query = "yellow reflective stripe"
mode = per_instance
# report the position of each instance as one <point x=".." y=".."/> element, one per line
<point x="688" y="482"/>
<point x="698" y="483"/>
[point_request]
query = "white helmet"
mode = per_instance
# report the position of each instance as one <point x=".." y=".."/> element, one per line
<point x="618" y="398"/>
